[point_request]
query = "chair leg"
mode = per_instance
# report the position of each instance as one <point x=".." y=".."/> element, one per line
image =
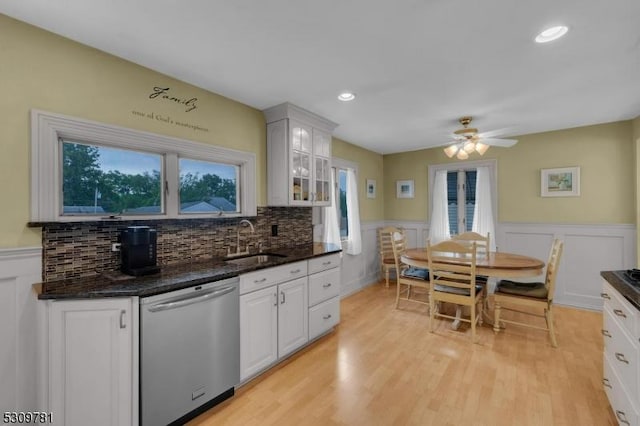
<point x="397" y="294"/>
<point x="480" y="313"/>
<point x="496" y="315"/>
<point x="473" y="323"/>
<point x="386" y="277"/>
<point x="548" y="316"/>
<point x="432" y="309"/>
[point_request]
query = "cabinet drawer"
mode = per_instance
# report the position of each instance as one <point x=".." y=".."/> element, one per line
<point x="324" y="316"/>
<point x="318" y="264"/>
<point x="623" y="408"/>
<point x="263" y="278"/>
<point x="622" y="352"/>
<point x="323" y="286"/>
<point x="618" y="305"/>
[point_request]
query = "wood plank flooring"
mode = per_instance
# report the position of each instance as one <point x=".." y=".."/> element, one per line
<point x="381" y="366"/>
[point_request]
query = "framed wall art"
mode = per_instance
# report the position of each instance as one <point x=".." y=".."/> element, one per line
<point x="371" y="188"/>
<point x="404" y="189"/>
<point x="563" y="182"/>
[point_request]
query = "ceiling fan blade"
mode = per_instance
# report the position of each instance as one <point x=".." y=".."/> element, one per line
<point x="496" y="132"/>
<point x="505" y="143"/>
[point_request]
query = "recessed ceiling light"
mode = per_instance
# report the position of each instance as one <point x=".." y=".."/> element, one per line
<point x="346" y="96"/>
<point x="551" y="34"/>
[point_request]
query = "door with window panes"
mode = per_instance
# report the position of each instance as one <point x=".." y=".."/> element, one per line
<point x="461" y="199"/>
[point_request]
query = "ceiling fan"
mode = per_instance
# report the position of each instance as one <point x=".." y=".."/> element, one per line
<point x="467" y="140"/>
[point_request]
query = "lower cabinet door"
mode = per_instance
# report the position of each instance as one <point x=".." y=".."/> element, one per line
<point x="292" y="316"/>
<point x="323" y="317"/>
<point x="621" y="404"/>
<point x="258" y="331"/>
<point x="90" y="362"/>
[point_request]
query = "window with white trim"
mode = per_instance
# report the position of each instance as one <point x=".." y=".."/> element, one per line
<point x="83" y="170"/>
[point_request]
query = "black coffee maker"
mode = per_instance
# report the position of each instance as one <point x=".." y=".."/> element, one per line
<point x="138" y="245"/>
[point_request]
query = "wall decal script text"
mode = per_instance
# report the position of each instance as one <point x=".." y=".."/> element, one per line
<point x="163" y="93"/>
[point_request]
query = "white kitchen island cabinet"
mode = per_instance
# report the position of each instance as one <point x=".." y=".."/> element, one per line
<point x="298" y="157"/>
<point x="90" y="368"/>
<point x="621" y="375"/>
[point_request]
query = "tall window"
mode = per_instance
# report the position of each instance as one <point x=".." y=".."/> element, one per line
<point x="461" y="199"/>
<point x="342" y="202"/>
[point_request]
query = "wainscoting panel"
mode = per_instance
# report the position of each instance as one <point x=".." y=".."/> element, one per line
<point x="588" y="249"/>
<point x="362" y="270"/>
<point x="20" y="268"/>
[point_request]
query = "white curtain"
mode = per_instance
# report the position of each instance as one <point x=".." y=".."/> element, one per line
<point x="439" y="227"/>
<point x="331" y="228"/>
<point x="354" y="243"/>
<point x="483" y="210"/>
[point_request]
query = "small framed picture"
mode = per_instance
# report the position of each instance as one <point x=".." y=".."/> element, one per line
<point x="371" y="188"/>
<point x="564" y="182"/>
<point x="404" y="189"/>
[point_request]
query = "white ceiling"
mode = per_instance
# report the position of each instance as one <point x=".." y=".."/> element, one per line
<point x="416" y="65"/>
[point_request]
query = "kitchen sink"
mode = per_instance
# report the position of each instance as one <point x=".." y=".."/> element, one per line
<point x="255" y="259"/>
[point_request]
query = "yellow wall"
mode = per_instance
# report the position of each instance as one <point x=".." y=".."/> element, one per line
<point x="44" y="71"/>
<point x="370" y="166"/>
<point x="605" y="154"/>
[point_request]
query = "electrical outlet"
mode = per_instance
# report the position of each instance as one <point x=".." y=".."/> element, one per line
<point x="115" y="247"/>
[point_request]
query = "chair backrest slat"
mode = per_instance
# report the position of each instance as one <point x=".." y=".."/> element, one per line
<point x="552" y="267"/>
<point x="385" y="241"/>
<point x="443" y="272"/>
<point x="483" y="244"/>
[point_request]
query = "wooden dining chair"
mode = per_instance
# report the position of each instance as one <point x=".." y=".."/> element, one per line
<point x="454" y="283"/>
<point x="385" y="240"/>
<point x="483" y="244"/>
<point x="408" y="276"/>
<point x="530" y="295"/>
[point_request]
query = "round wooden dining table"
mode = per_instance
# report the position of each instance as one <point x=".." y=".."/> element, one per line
<point x="494" y="265"/>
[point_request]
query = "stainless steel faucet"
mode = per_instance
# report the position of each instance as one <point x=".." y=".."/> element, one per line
<point x="246" y="249"/>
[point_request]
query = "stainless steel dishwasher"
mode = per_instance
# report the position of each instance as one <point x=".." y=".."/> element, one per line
<point x="189" y="351"/>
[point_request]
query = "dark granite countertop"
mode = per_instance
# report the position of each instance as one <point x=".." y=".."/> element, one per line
<point x="174" y="277"/>
<point x="629" y="289"/>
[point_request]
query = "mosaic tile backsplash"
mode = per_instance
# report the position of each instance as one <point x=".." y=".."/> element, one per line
<point x="84" y="248"/>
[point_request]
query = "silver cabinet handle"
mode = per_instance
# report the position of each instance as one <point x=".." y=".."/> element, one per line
<point x="605" y="383"/>
<point x="327" y="285"/>
<point x="259" y="281"/>
<point x="622" y="417"/>
<point x="326" y="263"/>
<point x="326" y="316"/>
<point x="606" y="333"/>
<point x="619" y="313"/>
<point x="122" y="323"/>
<point x="620" y="357"/>
<point x="295" y="271"/>
<point x="283" y="298"/>
<point x="605" y="296"/>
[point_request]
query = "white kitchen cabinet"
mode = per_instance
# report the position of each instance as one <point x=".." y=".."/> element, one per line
<point x="621" y="376"/>
<point x="258" y="331"/>
<point x="298" y="157"/>
<point x="324" y="294"/>
<point x="90" y="370"/>
<point x="273" y="315"/>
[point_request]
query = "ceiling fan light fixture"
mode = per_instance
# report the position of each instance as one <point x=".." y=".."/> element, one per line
<point x="551" y="34"/>
<point x="451" y="150"/>
<point x="481" y="148"/>
<point x="346" y="96"/>
<point x="469" y="147"/>
<point x="462" y="155"/>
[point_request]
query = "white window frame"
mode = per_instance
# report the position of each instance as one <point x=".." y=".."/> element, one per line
<point x="46" y="171"/>
<point x="337" y="164"/>
<point x="466" y="165"/>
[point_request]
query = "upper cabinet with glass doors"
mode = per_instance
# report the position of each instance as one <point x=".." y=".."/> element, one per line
<point x="298" y="157"/>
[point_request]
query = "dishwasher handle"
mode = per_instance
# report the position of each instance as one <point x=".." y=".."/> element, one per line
<point x="191" y="300"/>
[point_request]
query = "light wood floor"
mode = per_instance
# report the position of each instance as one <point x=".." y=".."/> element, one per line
<point x="382" y="367"/>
